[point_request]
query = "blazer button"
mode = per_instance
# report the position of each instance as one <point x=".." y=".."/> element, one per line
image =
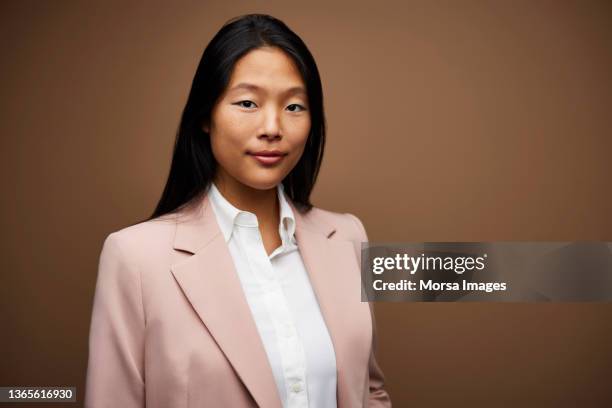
<point x="296" y="387"/>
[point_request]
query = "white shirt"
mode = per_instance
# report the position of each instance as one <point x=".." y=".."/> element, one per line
<point x="283" y="304"/>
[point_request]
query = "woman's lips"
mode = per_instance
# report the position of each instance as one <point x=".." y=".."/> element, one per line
<point x="267" y="159"/>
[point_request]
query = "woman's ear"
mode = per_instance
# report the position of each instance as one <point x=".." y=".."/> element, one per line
<point x="205" y="127"/>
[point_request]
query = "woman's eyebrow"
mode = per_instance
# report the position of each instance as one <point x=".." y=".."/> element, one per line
<point x="252" y="87"/>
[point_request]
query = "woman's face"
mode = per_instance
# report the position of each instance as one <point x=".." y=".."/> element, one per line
<point x="263" y="111"/>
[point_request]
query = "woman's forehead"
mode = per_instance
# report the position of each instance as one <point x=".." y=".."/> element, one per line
<point x="266" y="69"/>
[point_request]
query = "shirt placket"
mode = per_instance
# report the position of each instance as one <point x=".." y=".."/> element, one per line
<point x="293" y="359"/>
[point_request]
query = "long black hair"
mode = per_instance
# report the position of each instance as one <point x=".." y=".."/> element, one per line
<point x="193" y="164"/>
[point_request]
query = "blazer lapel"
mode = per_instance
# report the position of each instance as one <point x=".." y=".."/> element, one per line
<point x="208" y="279"/>
<point x="336" y="280"/>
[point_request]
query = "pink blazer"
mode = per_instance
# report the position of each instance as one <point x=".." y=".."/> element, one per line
<point x="171" y="327"/>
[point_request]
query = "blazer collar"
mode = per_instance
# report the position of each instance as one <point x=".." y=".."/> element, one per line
<point x="208" y="279"/>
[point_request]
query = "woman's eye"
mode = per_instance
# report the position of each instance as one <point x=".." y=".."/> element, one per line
<point x="246" y="104"/>
<point x="294" y="107"/>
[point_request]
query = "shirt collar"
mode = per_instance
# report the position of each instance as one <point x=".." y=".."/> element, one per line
<point x="229" y="216"/>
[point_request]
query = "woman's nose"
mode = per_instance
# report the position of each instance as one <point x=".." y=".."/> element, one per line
<point x="271" y="127"/>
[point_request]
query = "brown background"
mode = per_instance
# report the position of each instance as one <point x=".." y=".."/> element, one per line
<point x="457" y="120"/>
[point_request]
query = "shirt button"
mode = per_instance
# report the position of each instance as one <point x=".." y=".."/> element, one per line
<point x="296" y="387"/>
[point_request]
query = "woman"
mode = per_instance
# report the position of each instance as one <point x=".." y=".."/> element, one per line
<point x="237" y="292"/>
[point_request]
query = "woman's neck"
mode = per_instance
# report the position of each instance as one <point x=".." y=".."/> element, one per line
<point x="263" y="203"/>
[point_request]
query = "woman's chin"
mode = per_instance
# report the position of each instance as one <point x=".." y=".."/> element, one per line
<point x="263" y="183"/>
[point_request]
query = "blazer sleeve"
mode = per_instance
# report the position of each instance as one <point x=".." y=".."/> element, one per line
<point x="115" y="368"/>
<point x="378" y="397"/>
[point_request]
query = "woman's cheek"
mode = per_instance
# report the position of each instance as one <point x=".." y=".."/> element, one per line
<point x="224" y="149"/>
